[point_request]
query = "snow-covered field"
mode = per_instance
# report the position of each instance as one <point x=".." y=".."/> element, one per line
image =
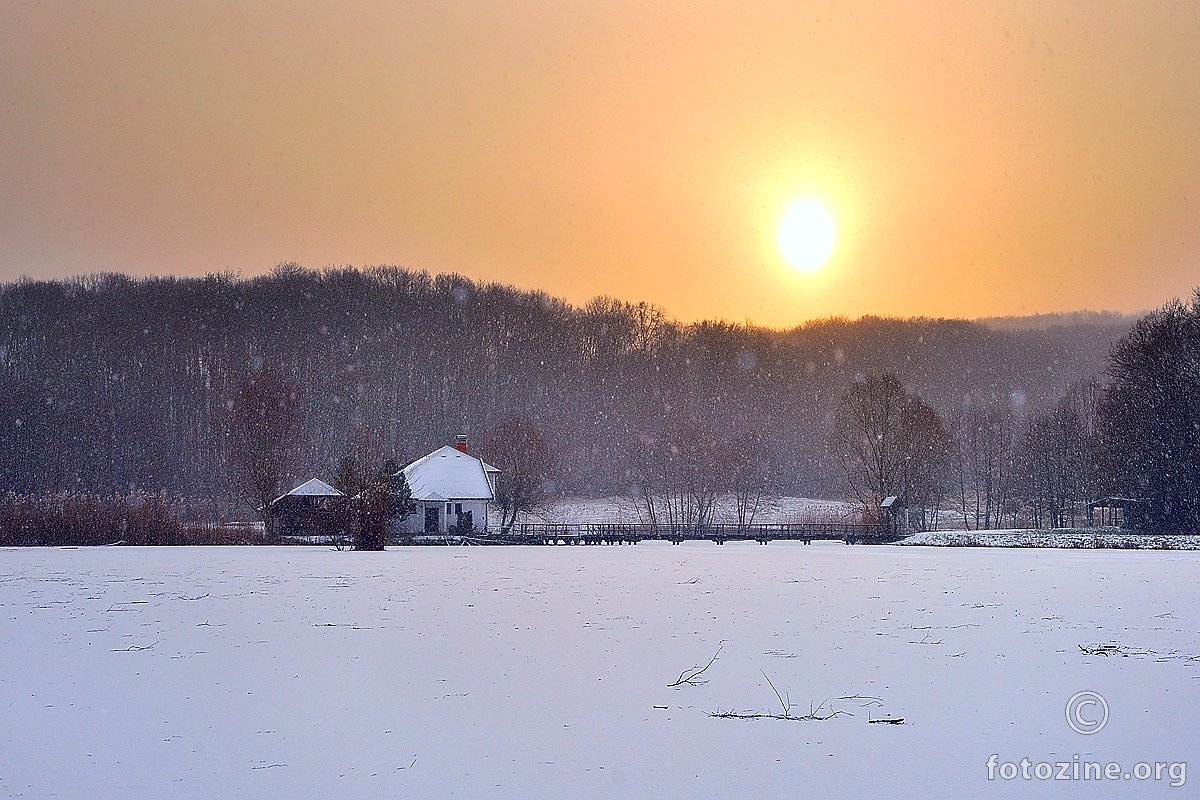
<point x="543" y="672"/>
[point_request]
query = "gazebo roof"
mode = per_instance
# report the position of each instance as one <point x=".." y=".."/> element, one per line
<point x="311" y="488"/>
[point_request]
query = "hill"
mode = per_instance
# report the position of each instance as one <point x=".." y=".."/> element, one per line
<point x="109" y="383"/>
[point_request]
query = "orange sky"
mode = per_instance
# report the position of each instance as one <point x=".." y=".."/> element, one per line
<point x="980" y="158"/>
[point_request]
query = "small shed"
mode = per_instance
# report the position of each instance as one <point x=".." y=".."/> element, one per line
<point x="895" y="514"/>
<point x="314" y="508"/>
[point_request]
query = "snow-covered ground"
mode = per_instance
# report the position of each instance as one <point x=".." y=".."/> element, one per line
<point x="544" y="672"/>
<point x="1067" y="538"/>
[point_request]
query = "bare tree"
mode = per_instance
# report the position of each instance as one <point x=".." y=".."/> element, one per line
<point x="924" y="465"/>
<point x="358" y="467"/>
<point x="984" y="444"/>
<point x="887" y="442"/>
<point x="516" y="447"/>
<point x="682" y="471"/>
<point x="1041" y="475"/>
<point x="263" y="430"/>
<point x="649" y="326"/>
<point x="1057" y="458"/>
<point x="1077" y="420"/>
<point x="749" y="474"/>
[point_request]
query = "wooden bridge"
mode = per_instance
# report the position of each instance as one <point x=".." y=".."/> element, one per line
<point x="585" y="534"/>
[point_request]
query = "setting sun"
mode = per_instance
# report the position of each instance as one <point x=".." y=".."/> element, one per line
<point x="807" y="234"/>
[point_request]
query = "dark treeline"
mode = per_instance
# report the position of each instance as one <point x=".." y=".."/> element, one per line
<point x="111" y="384"/>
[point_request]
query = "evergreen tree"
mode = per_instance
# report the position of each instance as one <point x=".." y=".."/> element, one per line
<point x="385" y="501"/>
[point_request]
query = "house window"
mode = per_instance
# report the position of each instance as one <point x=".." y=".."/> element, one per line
<point x="458" y="508"/>
<point x="448" y="508"/>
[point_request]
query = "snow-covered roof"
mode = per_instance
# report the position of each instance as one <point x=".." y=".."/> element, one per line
<point x="312" y="488"/>
<point x="449" y="474"/>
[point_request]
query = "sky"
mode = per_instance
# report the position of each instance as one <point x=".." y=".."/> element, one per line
<point x="978" y="159"/>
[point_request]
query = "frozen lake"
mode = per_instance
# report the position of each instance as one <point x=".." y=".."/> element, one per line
<point x="544" y="672"/>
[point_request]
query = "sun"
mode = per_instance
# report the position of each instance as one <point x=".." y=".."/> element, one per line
<point x="807" y="234"/>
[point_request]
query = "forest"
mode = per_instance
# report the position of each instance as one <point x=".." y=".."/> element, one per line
<point x="114" y="385"/>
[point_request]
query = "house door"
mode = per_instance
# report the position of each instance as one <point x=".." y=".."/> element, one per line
<point x="432" y="518"/>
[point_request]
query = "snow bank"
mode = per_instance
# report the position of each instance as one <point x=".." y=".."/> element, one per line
<point x="1073" y="538"/>
<point x="543" y="672"/>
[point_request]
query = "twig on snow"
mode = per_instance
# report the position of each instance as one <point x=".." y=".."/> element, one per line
<point x="814" y="714"/>
<point x="691" y="676"/>
<point x="786" y="704"/>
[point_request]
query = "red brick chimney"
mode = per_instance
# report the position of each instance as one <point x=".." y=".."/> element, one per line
<point x="460" y="443"/>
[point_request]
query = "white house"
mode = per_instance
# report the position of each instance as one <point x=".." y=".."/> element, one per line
<point x="449" y="487"/>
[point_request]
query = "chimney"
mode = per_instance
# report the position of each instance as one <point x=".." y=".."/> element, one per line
<point x="460" y="443"/>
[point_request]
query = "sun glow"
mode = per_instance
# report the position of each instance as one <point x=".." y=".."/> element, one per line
<point x="807" y="234"/>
